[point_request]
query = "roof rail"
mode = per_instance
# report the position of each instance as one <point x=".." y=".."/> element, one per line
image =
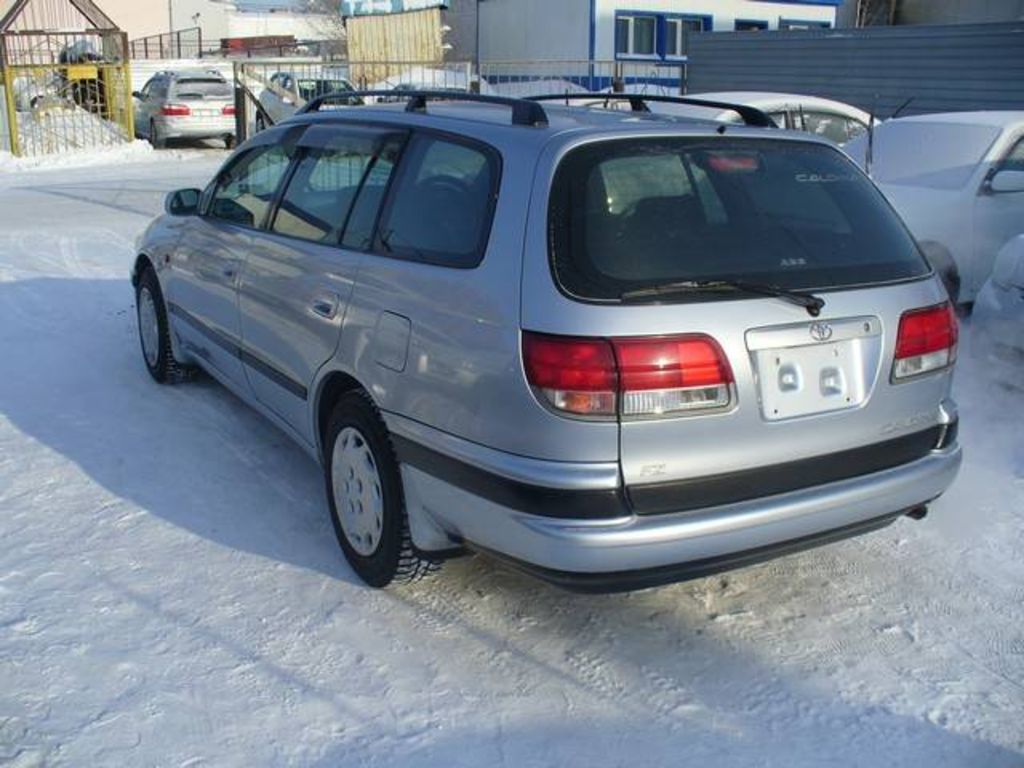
<point x="638" y="103"/>
<point x="524" y="111"/>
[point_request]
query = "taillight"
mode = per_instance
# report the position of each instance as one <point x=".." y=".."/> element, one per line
<point x="228" y="111"/>
<point x="635" y="377"/>
<point x="175" y="110"/>
<point x="926" y="341"/>
<point x="662" y="377"/>
<point x="574" y="375"/>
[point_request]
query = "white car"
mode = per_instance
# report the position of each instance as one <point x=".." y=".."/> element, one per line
<point x="189" y="104"/>
<point x="957" y="179"/>
<point x="287" y="92"/>
<point x="833" y="120"/>
<point x="998" y="322"/>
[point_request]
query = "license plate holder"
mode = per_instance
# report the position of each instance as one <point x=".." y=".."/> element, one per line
<point x="815" y="368"/>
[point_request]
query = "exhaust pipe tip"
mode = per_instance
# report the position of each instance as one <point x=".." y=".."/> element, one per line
<point x="918" y="513"/>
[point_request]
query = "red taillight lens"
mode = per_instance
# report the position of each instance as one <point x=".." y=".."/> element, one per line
<point x="175" y="110"/>
<point x="926" y="341"/>
<point x="228" y="111"/>
<point x="638" y="377"/>
<point x="575" y="375"/>
<point x="661" y="377"/>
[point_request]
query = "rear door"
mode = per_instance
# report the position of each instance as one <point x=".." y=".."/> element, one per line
<point x="714" y="379"/>
<point x="300" y="272"/>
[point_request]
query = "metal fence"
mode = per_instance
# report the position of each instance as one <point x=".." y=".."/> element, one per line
<point x="269" y="90"/>
<point x="181" y="44"/>
<point x="940" y="68"/>
<point x="65" y="91"/>
<point x="526" y="78"/>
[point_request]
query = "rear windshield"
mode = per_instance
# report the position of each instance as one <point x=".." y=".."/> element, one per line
<point x="207" y="88"/>
<point x="639" y="213"/>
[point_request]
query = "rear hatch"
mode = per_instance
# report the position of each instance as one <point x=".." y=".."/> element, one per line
<point x="204" y="97"/>
<point x="737" y="305"/>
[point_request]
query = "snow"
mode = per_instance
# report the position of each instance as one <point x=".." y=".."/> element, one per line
<point x="171" y="592"/>
<point x="121" y="154"/>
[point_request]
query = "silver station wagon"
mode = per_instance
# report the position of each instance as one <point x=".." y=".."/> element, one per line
<point x="613" y="348"/>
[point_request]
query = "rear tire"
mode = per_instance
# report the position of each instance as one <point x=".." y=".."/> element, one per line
<point x="154" y="332"/>
<point x="155" y="138"/>
<point x="364" y="491"/>
<point x="229" y="142"/>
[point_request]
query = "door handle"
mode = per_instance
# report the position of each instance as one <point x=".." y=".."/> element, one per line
<point x="326" y="305"/>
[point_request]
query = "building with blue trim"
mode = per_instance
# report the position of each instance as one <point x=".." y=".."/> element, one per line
<point x="630" y="30"/>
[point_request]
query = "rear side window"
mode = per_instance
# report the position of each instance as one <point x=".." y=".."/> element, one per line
<point x="633" y="214"/>
<point x="245" y="191"/>
<point x="440" y="210"/>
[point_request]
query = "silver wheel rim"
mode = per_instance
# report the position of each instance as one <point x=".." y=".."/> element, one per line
<point x="358" y="497"/>
<point x="149" y="327"/>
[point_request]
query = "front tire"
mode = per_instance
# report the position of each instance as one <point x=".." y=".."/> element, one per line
<point x="154" y="332"/>
<point x="364" y="491"/>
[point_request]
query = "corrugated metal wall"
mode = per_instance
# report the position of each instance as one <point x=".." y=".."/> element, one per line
<point x="943" y="68"/>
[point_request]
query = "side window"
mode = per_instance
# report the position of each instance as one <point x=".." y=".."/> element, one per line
<point x="854" y="128"/>
<point x="359" y="230"/>
<point x="440" y="211"/>
<point x="1015" y="159"/>
<point x="323" y="189"/>
<point x="158" y="89"/>
<point x="827" y="124"/>
<point x="245" y="190"/>
<point x="779" y="118"/>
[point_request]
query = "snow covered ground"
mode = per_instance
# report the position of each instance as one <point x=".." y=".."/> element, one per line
<point x="171" y="593"/>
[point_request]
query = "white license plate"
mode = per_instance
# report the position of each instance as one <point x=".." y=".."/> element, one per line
<point x="815" y="367"/>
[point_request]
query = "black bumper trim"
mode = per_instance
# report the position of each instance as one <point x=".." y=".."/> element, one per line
<point x="718" y="490"/>
<point x="533" y="499"/>
<point x="626" y="581"/>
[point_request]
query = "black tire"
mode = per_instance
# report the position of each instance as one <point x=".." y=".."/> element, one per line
<point x="261" y="124"/>
<point x="229" y="142"/>
<point x="155" y="138"/>
<point x="161" y="366"/>
<point x="393" y="558"/>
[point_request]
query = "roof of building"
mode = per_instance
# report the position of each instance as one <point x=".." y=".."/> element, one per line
<point x="12" y="10"/>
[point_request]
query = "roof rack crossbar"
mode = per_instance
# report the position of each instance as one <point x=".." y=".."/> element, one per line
<point x="524" y="111"/>
<point x="638" y="103"/>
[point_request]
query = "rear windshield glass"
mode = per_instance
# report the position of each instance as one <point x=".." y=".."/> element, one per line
<point x="209" y="88"/>
<point x="639" y="213"/>
<point x="917" y="154"/>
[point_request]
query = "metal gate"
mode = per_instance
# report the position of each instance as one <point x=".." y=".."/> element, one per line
<point x="65" y="91"/>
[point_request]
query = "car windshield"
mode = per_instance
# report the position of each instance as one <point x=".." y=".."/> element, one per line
<point x="632" y="214"/>
<point x="919" y="154"/>
<point x="202" y="88"/>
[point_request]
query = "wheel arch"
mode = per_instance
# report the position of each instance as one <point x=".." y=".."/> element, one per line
<point x="142" y="263"/>
<point x="332" y="386"/>
<point x="942" y="261"/>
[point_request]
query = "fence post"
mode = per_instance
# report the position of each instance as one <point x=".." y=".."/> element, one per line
<point x="8" y="82"/>
<point x="241" y="107"/>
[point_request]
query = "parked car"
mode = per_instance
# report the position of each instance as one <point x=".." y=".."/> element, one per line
<point x="615" y="350"/>
<point x="833" y="120"/>
<point x="288" y="91"/>
<point x="998" y="322"/>
<point x="957" y="179"/>
<point x="189" y="104"/>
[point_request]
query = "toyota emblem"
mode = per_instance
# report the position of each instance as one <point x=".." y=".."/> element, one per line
<point x="821" y="331"/>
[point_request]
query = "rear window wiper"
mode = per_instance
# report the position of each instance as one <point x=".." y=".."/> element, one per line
<point x="813" y="304"/>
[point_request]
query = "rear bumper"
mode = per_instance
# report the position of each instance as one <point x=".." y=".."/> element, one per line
<point x="631" y="551"/>
<point x="196" y="127"/>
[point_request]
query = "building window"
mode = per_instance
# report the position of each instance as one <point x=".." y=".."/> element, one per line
<point x="636" y="35"/>
<point x="676" y="28"/>
<point x="799" y="24"/>
<point x="750" y="25"/>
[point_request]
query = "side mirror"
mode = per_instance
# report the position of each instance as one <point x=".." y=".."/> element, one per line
<point x="138" y="95"/>
<point x="1006" y="181"/>
<point x="183" y="202"/>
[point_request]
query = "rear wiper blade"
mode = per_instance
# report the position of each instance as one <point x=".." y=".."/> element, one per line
<point x="813" y="304"/>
